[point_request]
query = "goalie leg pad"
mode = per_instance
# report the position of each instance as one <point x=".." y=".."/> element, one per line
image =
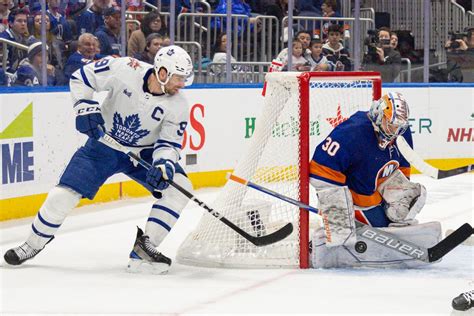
<point x="368" y="253"/>
<point x="404" y="199"/>
<point x="337" y="212"/>
<point x="56" y="207"/>
<point x="166" y="211"/>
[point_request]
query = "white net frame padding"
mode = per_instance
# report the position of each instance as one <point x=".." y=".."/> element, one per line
<point x="300" y="109"/>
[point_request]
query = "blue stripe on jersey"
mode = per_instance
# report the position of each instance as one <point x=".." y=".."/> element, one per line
<point x="84" y="78"/>
<point x="85" y="101"/>
<point x="167" y="210"/>
<point x="40" y="233"/>
<point x="159" y="222"/>
<point x="165" y="142"/>
<point x="73" y="78"/>
<point x="42" y="220"/>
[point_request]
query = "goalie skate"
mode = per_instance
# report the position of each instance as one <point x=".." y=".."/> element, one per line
<point x="144" y="258"/>
<point x="464" y="301"/>
<point x="20" y="254"/>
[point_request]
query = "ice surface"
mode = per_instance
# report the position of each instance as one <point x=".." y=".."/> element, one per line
<point x="83" y="270"/>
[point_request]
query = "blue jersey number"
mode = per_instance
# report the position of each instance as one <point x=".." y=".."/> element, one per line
<point x="101" y="65"/>
<point x="182" y="127"/>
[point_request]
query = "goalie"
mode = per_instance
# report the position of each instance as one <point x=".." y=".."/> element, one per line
<point x="359" y="174"/>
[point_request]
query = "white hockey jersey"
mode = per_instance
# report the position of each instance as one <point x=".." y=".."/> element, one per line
<point x="133" y="116"/>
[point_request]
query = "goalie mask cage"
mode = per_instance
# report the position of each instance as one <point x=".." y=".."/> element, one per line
<point x="300" y="109"/>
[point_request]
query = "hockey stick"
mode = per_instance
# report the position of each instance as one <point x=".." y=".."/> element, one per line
<point x="257" y="241"/>
<point x="413" y="158"/>
<point x="386" y="239"/>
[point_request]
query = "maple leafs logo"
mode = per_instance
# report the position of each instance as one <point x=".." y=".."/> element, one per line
<point x="335" y="121"/>
<point x="128" y="131"/>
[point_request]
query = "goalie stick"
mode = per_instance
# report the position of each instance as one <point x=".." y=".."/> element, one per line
<point x="257" y="241"/>
<point x="413" y="158"/>
<point x="386" y="239"/>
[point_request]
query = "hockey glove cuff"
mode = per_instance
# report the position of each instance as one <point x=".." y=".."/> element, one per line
<point x="89" y="118"/>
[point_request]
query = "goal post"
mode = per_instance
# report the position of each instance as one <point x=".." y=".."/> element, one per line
<point x="300" y="109"/>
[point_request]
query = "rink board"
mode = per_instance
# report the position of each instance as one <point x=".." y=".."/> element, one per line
<point x="38" y="138"/>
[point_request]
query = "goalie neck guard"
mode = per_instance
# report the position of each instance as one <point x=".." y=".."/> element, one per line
<point x="389" y="116"/>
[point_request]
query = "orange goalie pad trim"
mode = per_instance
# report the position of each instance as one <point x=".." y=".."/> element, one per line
<point x="366" y="200"/>
<point x="326" y="172"/>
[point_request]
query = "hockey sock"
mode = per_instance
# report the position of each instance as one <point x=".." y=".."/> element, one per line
<point x="58" y="204"/>
<point x="166" y="211"/>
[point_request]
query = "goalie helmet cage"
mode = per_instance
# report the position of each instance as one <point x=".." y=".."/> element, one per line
<point x="300" y="109"/>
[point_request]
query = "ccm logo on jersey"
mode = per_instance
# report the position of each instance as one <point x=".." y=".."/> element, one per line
<point x="392" y="243"/>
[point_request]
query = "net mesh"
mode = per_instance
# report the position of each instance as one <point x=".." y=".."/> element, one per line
<point x="272" y="160"/>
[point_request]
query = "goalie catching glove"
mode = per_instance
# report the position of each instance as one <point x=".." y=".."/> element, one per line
<point x="162" y="170"/>
<point x="89" y="118"/>
<point x="404" y="199"/>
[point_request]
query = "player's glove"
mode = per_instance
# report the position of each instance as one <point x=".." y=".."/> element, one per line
<point x="158" y="175"/>
<point x="89" y="119"/>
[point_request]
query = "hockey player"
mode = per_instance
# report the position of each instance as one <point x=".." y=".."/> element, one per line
<point x="359" y="174"/>
<point x="144" y="111"/>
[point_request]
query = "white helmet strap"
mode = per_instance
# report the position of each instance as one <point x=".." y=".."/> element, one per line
<point x="163" y="83"/>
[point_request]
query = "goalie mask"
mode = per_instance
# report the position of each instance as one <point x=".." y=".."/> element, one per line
<point x="175" y="61"/>
<point x="389" y="116"/>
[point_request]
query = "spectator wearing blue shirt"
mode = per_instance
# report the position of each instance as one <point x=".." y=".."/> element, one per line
<point x="29" y="71"/>
<point x="17" y="31"/>
<point x="60" y="27"/>
<point x="86" y="53"/>
<point x="91" y="19"/>
<point x="109" y="34"/>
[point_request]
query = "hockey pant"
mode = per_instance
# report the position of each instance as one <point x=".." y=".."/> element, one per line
<point x="375" y="255"/>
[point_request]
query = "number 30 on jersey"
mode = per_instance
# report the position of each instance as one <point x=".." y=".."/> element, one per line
<point x="330" y="146"/>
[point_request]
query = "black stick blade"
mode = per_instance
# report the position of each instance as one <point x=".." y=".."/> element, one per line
<point x="449" y="243"/>
<point x="272" y="238"/>
<point x="453" y="172"/>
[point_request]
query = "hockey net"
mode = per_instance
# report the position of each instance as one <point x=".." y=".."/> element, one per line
<point x="300" y="109"/>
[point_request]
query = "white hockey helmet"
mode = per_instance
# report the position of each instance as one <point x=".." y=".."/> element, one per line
<point x="389" y="115"/>
<point x="176" y="61"/>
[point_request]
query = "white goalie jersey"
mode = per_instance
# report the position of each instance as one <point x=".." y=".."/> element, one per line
<point x="133" y="116"/>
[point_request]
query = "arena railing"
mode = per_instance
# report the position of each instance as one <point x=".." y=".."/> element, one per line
<point x="5" y="43"/>
<point x="253" y="38"/>
<point x="242" y="72"/>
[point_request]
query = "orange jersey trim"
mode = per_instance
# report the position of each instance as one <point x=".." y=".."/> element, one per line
<point x="326" y="172"/>
<point x="366" y="200"/>
<point x="406" y="171"/>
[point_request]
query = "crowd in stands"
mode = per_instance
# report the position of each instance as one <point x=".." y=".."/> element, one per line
<point x="77" y="35"/>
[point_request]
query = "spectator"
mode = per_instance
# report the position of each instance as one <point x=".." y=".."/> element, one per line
<point x="394" y="40"/>
<point x="91" y="19"/>
<point x="219" y="51"/>
<point x="5" y="6"/>
<point x="304" y="37"/>
<point x="336" y="54"/>
<point x="382" y="57"/>
<point x="17" y="32"/>
<point x="86" y="52"/>
<point x="60" y="27"/>
<point x="329" y="9"/>
<point x="109" y="33"/>
<point x="460" y="57"/>
<point x="316" y="59"/>
<point x="153" y="45"/>
<point x="153" y="22"/>
<point x="298" y="61"/>
<point x="29" y="71"/>
<point x="238" y="7"/>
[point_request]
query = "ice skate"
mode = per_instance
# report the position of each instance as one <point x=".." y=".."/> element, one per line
<point x="144" y="257"/>
<point x="464" y="301"/>
<point x="20" y="254"/>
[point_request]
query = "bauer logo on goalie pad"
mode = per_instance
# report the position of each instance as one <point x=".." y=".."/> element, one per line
<point x="393" y="243"/>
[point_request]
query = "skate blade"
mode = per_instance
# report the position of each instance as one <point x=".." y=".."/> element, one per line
<point x="145" y="267"/>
